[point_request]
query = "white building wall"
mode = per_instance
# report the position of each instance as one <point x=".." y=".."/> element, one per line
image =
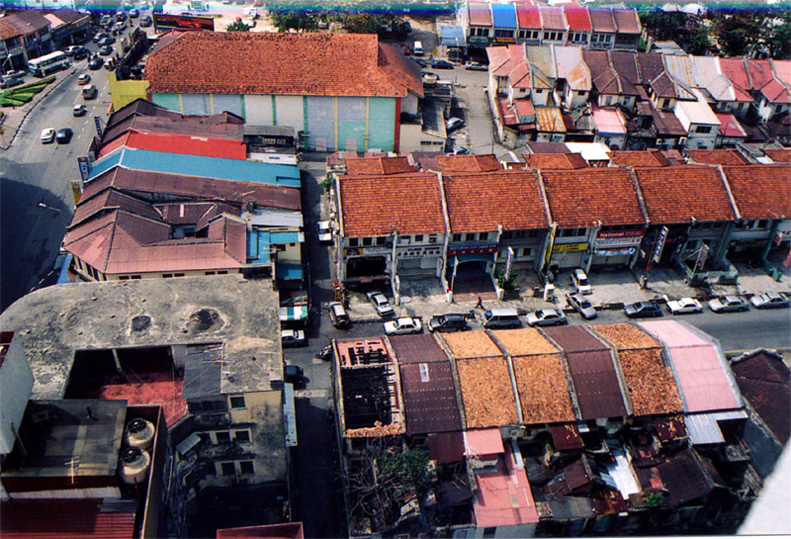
<point x="289" y="110"/>
<point x="258" y="109"/>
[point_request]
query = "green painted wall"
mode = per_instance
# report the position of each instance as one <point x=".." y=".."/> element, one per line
<point x="381" y="123"/>
<point x="169" y="101"/>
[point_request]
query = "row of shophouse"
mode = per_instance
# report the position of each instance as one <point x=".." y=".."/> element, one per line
<point x="165" y="195"/>
<point x="449" y="216"/>
<point x="622" y="428"/>
<point x="28" y="34"/>
<point x="486" y="24"/>
<point x="631" y="100"/>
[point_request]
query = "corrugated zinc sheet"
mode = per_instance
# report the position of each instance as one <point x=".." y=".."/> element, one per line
<point x="596" y="384"/>
<point x="574" y="339"/>
<point x="480" y="14"/>
<point x="504" y="16"/>
<point x="430" y="403"/>
<point x="64" y="520"/>
<point x="422" y="348"/>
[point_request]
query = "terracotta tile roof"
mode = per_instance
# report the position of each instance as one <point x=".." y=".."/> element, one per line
<point x="480" y="13"/>
<point x="467" y="344"/>
<point x="286" y="64"/>
<point x="486" y="392"/>
<point x="723" y="156"/>
<point x="581" y="198"/>
<point x="648" y="377"/>
<point x="603" y="77"/>
<point x="6" y="30"/>
<point x="552" y="18"/>
<point x="375" y="205"/>
<point x="544" y="393"/>
<point x="735" y="69"/>
<point x="481" y="202"/>
<point x="367" y="166"/>
<point x="676" y="194"/>
<point x="468" y="163"/>
<point x="578" y="18"/>
<point x="730" y="126"/>
<point x="779" y="156"/>
<point x="761" y="191"/>
<point x="643" y="158"/>
<point x="524" y="342"/>
<point x="554" y="161"/>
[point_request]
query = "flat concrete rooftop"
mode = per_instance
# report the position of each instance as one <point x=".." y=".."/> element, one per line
<point x="53" y="323"/>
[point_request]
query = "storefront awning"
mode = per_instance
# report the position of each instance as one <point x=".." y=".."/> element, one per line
<point x="475" y="257"/>
<point x="295" y="313"/>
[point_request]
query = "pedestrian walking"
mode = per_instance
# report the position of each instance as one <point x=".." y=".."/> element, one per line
<point x="480" y="303"/>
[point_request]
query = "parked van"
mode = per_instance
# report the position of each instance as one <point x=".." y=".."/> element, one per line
<point x="89" y="91"/>
<point x="417" y="50"/>
<point x="501" y="318"/>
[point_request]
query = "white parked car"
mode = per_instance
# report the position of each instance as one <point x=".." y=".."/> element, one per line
<point x="770" y="301"/>
<point x="403" y="326"/>
<point x="380" y="303"/>
<point x="292" y="337"/>
<point x="325" y="232"/>
<point x="685" y="306"/>
<point x="546" y="317"/>
<point x="582" y="306"/>
<point x="580" y="282"/>
<point x="729" y="304"/>
<point x="47" y="135"/>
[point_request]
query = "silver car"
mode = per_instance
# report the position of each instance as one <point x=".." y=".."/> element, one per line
<point x="770" y="301"/>
<point x="380" y="303"/>
<point x="729" y="304"/>
<point x="546" y="317"/>
<point x="581" y="304"/>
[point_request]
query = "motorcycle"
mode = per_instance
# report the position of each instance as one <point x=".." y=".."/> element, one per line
<point x="324" y="353"/>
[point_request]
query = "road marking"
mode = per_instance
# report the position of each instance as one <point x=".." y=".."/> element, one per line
<point x="312" y="393"/>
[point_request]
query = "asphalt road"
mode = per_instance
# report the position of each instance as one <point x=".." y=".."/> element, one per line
<point x="36" y="203"/>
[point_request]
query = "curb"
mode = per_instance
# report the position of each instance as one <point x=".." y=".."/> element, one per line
<point x="35" y="103"/>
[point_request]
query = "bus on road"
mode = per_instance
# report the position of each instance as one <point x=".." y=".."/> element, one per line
<point x="49" y="63"/>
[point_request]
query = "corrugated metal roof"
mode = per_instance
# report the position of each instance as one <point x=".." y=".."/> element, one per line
<point x="198" y="165"/>
<point x="504" y="497"/>
<point x="430" y="403"/>
<point x="272" y="217"/>
<point x="550" y="120"/>
<point x="446" y="447"/>
<point x="574" y="339"/>
<point x="703" y="429"/>
<point x="186" y="144"/>
<point x="609" y="121"/>
<point x="504" y="16"/>
<point x="64" y="520"/>
<point x="480" y="14"/>
<point x="422" y="348"/>
<point x="202" y="369"/>
<point x="596" y="385"/>
<point x="294" y="313"/>
<point x="288" y="270"/>
<point x="483" y="442"/>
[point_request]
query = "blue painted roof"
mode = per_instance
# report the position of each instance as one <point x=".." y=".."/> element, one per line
<point x="288" y="270"/>
<point x="285" y="237"/>
<point x="504" y="16"/>
<point x="258" y="246"/>
<point x="199" y="165"/>
<point x="451" y="35"/>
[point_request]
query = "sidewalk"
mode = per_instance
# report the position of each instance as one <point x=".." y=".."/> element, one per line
<point x="14" y="117"/>
<point x="424" y="298"/>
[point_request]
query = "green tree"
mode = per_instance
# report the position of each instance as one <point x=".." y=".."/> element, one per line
<point x="700" y="41"/>
<point x="780" y="43"/>
<point x="237" y="26"/>
<point x="738" y="33"/>
<point x="285" y="21"/>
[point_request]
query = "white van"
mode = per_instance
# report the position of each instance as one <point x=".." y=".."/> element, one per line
<point x="501" y="318"/>
<point x="417" y="50"/>
<point x="89" y="91"/>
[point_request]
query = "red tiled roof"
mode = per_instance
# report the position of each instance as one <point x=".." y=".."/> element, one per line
<point x="190" y="145"/>
<point x="722" y="156"/>
<point x="582" y="198"/>
<point x="578" y="19"/>
<point x="779" y="155"/>
<point x="6" y="30"/>
<point x="285" y="64"/>
<point x="449" y="164"/>
<point x="291" y="530"/>
<point x="367" y="166"/>
<point x="735" y="70"/>
<point x="676" y="194"/>
<point x="481" y="202"/>
<point x="528" y="16"/>
<point x="643" y="158"/>
<point x="763" y="80"/>
<point x="761" y="191"/>
<point x="78" y="519"/>
<point x="554" y="161"/>
<point x="376" y="205"/>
